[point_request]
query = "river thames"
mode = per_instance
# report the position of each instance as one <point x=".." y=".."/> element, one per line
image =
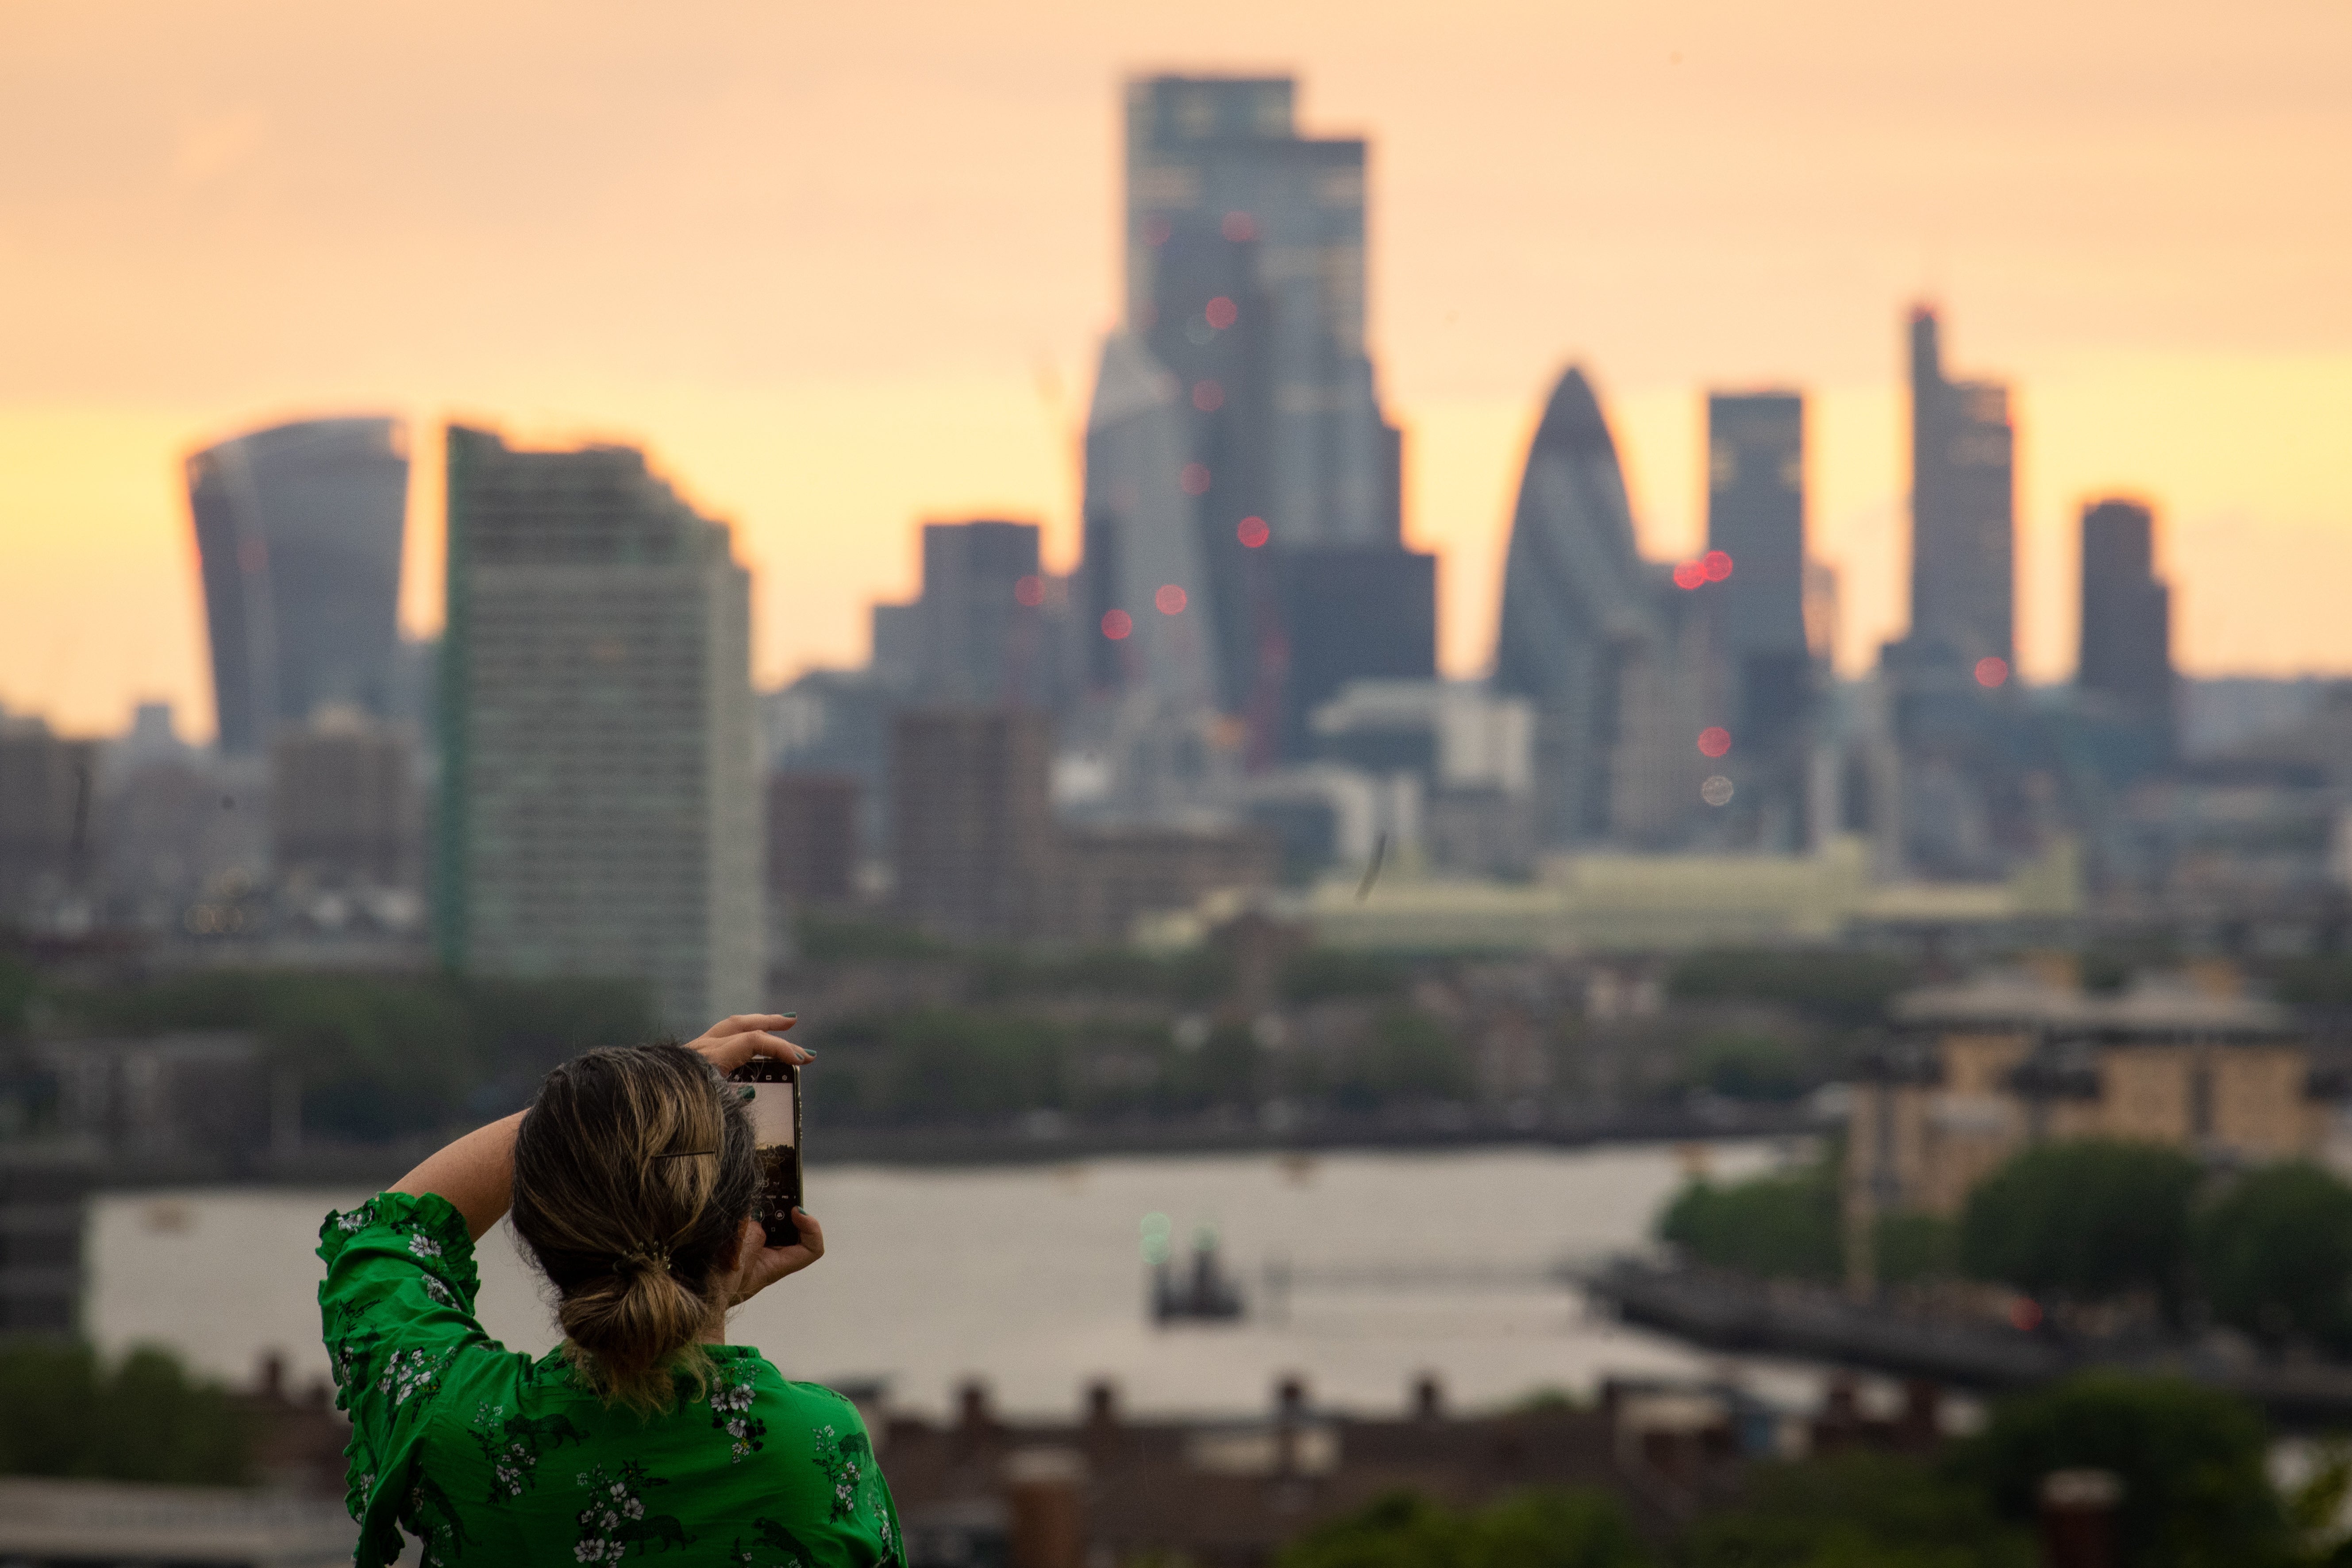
<point x="1030" y="1278"/>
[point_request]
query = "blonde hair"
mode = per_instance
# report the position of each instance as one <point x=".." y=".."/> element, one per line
<point x="633" y="1171"/>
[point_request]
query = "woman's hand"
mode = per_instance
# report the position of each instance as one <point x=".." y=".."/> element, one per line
<point x="759" y="1266"/>
<point x="730" y="1042"/>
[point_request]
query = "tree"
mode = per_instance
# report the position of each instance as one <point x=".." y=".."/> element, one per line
<point x="1857" y="1511"/>
<point x="1321" y="973"/>
<point x="1839" y="988"/>
<point x="378" y="1057"/>
<point x="2092" y="1219"/>
<point x="1544" y="1529"/>
<point x="65" y="1413"/>
<point x="1783" y="1226"/>
<point x="2195" y="1493"/>
<point x="2273" y="1255"/>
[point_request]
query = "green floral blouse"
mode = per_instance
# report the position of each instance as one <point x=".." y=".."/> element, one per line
<point x="487" y="1456"/>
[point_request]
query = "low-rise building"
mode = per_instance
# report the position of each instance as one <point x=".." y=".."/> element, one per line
<point x="1978" y="1070"/>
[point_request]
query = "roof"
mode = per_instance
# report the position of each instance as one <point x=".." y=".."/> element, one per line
<point x="2155" y="1005"/>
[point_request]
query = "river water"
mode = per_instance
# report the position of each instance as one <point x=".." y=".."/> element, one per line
<point x="1030" y="1278"/>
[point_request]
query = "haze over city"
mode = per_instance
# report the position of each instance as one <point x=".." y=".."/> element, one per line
<point x="841" y="272"/>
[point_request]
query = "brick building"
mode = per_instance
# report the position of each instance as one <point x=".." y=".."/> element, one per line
<point x="1981" y="1069"/>
<point x="980" y="856"/>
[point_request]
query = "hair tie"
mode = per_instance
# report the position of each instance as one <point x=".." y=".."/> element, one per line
<point x="649" y="1256"/>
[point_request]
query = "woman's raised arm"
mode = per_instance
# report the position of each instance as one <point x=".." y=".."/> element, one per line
<point x="476" y="1172"/>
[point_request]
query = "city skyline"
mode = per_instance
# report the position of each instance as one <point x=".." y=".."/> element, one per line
<point x="2175" y="339"/>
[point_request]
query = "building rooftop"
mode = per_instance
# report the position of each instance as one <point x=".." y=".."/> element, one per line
<point x="2152" y="1004"/>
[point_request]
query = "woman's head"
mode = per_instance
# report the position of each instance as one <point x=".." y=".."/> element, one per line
<point x="634" y="1171"/>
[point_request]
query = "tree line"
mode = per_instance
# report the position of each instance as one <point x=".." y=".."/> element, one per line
<point x="2266" y="1250"/>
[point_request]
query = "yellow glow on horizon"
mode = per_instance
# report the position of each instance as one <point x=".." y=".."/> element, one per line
<point x="825" y="488"/>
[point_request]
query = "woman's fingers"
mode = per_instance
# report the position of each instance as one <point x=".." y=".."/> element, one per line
<point x="731" y="1042"/>
<point x="775" y="1045"/>
<point x="812" y="1234"/>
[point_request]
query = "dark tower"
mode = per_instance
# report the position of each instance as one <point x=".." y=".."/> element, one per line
<point x="2127" y="636"/>
<point x="1963" y="509"/>
<point x="300" y="530"/>
<point x="1756" y="515"/>
<point x="978" y="641"/>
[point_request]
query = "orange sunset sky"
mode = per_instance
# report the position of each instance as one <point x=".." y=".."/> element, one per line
<point x="845" y="268"/>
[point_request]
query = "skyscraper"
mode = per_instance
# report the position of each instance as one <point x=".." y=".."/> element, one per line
<point x="600" y="808"/>
<point x="300" y="530"/>
<point x="2127" y="631"/>
<point x="1963" y="510"/>
<point x="1756" y="515"/>
<point x="1245" y="278"/>
<point x="1245" y="281"/>
<point x="1142" y="535"/>
<point x="977" y="634"/>
<point x="1576" y="602"/>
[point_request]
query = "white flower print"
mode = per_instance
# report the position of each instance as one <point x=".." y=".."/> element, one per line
<point x="730" y="1410"/>
<point x="410" y="1372"/>
<point x="423" y="1246"/>
<point x="838" y="1458"/>
<point x="440" y="1291"/>
<point x="615" y="1518"/>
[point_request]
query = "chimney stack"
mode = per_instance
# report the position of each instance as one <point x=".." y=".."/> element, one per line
<point x="973" y="1418"/>
<point x="2078" y="1518"/>
<point x="1042" y="1494"/>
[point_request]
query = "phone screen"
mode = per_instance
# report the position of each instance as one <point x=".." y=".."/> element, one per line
<point x="772" y="1119"/>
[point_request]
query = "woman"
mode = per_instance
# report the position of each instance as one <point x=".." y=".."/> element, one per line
<point x="632" y="1180"/>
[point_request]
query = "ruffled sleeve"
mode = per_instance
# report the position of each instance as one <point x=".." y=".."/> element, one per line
<point x="396" y="1309"/>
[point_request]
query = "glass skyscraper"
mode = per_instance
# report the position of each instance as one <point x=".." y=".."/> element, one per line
<point x="1756" y="515"/>
<point x="1576" y="608"/>
<point x="299" y="527"/>
<point x="1245" y="278"/>
<point x="1245" y="287"/>
<point x="2126" y="627"/>
<point x="1143" y="536"/>
<point x="1963" y="509"/>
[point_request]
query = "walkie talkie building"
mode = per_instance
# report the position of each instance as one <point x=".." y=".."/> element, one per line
<point x="299" y="527"/>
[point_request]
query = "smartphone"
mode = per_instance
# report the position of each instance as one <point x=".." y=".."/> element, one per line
<point x="775" y="1110"/>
